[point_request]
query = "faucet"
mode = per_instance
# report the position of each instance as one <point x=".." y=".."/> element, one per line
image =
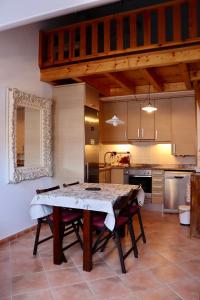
<point x="112" y="153"/>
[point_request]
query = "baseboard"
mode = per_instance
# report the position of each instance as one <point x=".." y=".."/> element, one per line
<point x="17" y="235"/>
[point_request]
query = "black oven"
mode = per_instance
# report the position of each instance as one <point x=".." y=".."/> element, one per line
<point x="139" y="176"/>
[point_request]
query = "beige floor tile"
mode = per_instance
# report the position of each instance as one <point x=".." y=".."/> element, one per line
<point x="169" y="273"/>
<point x="109" y="287"/>
<point x="99" y="271"/>
<point x="176" y="255"/>
<point x="188" y="289"/>
<point x="75" y="292"/>
<point x="63" y="277"/>
<point x="192" y="266"/>
<point x="41" y="295"/>
<point x="159" y="294"/>
<point x="5" y="287"/>
<point x="140" y="280"/>
<point x="23" y="265"/>
<point x="29" y="283"/>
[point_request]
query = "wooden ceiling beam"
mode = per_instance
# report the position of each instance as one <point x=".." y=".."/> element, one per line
<point x="151" y="77"/>
<point x="123" y="82"/>
<point x="186" y="75"/>
<point x="144" y="89"/>
<point x="76" y="79"/>
<point x="195" y="75"/>
<point x="123" y="63"/>
<point x="102" y="89"/>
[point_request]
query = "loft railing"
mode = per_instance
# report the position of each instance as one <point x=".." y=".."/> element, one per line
<point x="171" y="24"/>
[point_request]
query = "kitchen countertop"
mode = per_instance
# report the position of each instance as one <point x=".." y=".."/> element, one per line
<point x="167" y="167"/>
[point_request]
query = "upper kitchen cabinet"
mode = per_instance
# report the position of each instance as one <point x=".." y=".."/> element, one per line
<point x="109" y="133"/>
<point x="163" y="130"/>
<point x="141" y="124"/>
<point x="184" y="126"/>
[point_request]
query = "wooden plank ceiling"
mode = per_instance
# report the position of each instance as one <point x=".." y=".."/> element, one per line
<point x="172" y="70"/>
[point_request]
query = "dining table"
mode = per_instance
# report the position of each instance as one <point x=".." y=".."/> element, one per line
<point x="89" y="197"/>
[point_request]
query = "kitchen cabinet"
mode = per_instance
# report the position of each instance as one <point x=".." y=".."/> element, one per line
<point x="141" y="125"/>
<point x="105" y="175"/>
<point x="109" y="133"/>
<point x="117" y="175"/>
<point x="184" y="126"/>
<point x="157" y="186"/>
<point x="163" y="128"/>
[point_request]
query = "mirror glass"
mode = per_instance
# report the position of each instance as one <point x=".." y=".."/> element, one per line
<point x="28" y="137"/>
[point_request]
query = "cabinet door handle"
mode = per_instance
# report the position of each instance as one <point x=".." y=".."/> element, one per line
<point x="138" y="132"/>
<point x="156" y="134"/>
<point x="142" y="132"/>
<point x="125" y="134"/>
<point x="173" y="148"/>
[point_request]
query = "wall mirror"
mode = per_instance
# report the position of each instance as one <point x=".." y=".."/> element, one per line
<point x="29" y="123"/>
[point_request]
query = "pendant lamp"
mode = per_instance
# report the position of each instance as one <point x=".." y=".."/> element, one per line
<point x="149" y="108"/>
<point x="115" y="121"/>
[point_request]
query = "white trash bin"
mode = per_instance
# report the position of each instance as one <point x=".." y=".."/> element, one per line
<point x="184" y="214"/>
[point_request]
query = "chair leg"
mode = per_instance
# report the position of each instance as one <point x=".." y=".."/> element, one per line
<point x="141" y="226"/>
<point x="76" y="229"/>
<point x="106" y="242"/>
<point x="119" y="248"/>
<point x="132" y="234"/>
<point x="37" y="237"/>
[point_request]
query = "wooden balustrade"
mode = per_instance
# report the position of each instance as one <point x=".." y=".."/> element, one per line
<point x="171" y="24"/>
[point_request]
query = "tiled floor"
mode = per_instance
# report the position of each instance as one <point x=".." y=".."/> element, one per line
<point x="168" y="267"/>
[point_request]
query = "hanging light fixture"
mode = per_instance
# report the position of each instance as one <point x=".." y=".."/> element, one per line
<point x="115" y="121"/>
<point x="149" y="108"/>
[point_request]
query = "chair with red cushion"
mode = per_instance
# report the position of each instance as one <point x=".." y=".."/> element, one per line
<point x="71" y="220"/>
<point x="122" y="218"/>
<point x="135" y="210"/>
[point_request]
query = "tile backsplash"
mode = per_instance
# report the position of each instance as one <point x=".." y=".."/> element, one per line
<point x="148" y="153"/>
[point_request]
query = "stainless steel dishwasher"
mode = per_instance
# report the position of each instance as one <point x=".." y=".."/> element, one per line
<point x="177" y="190"/>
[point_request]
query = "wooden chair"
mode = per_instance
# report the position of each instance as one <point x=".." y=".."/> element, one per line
<point x="122" y="218"/>
<point x="135" y="210"/>
<point x="70" y="219"/>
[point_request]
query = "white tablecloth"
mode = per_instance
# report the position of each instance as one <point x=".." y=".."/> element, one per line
<point x="77" y="196"/>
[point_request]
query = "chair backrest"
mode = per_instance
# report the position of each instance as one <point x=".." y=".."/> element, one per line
<point x="133" y="196"/>
<point x="121" y="205"/>
<point x="41" y="191"/>
<point x="69" y="184"/>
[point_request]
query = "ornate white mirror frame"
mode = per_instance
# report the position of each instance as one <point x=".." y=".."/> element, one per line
<point x="17" y="98"/>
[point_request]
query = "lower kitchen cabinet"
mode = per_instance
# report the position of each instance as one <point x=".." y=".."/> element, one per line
<point x="184" y="126"/>
<point x="157" y="186"/>
<point x="117" y="175"/>
<point x="105" y="175"/>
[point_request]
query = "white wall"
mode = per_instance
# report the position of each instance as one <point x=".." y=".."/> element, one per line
<point x="21" y="12"/>
<point x="69" y="132"/>
<point x="18" y="68"/>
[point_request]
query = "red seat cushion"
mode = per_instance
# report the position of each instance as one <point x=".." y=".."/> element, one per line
<point x="98" y="221"/>
<point x="69" y="215"/>
<point x="133" y="209"/>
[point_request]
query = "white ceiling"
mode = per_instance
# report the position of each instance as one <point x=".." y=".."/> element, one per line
<point x="22" y="12"/>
